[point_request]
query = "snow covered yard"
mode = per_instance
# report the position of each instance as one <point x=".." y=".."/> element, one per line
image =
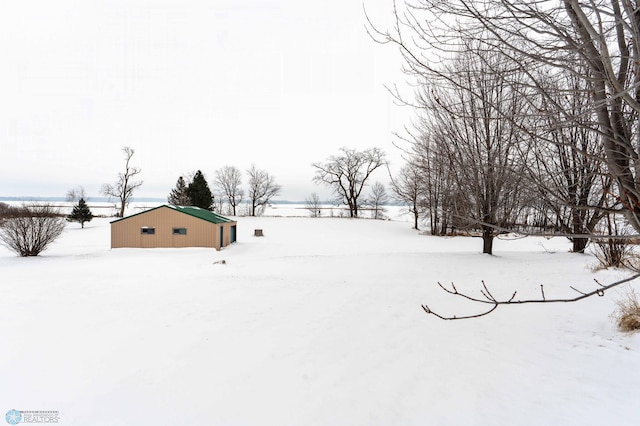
<point x="317" y="323"/>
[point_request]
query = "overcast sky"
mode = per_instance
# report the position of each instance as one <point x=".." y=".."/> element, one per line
<point x="195" y="84"/>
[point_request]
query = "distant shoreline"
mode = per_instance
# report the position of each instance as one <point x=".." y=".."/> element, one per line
<point x="94" y="199"/>
<point x="133" y="200"/>
<point x="150" y="200"/>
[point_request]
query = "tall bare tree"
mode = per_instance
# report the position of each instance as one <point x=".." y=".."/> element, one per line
<point x="481" y="147"/>
<point x="377" y="200"/>
<point x="124" y="186"/>
<point x="228" y="180"/>
<point x="348" y="172"/>
<point x="262" y="188"/>
<point x="437" y="174"/>
<point x="409" y="188"/>
<point x="566" y="163"/>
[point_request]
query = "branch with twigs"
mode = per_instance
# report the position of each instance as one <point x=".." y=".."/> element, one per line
<point x="488" y="298"/>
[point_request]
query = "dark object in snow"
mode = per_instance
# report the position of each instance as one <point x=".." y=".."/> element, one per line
<point x="258" y="233"/>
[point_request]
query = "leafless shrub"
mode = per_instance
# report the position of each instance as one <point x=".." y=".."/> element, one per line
<point x="616" y="251"/>
<point x="29" y="230"/>
<point x="627" y="313"/>
<point x="313" y="205"/>
<point x="613" y="253"/>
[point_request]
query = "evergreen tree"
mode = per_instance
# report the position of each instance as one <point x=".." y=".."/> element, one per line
<point x="199" y="192"/>
<point x="179" y="196"/>
<point x="80" y="213"/>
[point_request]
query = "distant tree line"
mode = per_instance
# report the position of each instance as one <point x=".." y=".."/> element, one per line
<point x="347" y="174"/>
<point x="227" y="182"/>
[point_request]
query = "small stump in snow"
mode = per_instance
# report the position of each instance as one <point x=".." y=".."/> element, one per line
<point x="258" y="233"/>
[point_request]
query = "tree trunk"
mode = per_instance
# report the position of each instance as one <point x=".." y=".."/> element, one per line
<point x="579" y="245"/>
<point x="445" y="224"/>
<point x="434" y="222"/>
<point x="487" y="240"/>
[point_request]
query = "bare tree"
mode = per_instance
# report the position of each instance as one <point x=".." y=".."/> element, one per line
<point x="262" y="188"/>
<point x="75" y="194"/>
<point x="481" y="147"/>
<point x="313" y="205"/>
<point x="228" y="180"/>
<point x="347" y="174"/>
<point x="218" y="199"/>
<point x="377" y="200"/>
<point x="438" y="175"/>
<point x="409" y="187"/>
<point x="125" y="185"/>
<point x="566" y="164"/>
<point x="29" y="230"/>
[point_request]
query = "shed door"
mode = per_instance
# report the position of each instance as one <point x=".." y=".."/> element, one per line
<point x="233" y="234"/>
<point x="221" y="236"/>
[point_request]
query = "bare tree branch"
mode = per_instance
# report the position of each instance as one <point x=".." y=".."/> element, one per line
<point x="489" y="299"/>
<point x="124" y="187"/>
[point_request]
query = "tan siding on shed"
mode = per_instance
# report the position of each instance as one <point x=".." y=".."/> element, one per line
<point x="200" y="233"/>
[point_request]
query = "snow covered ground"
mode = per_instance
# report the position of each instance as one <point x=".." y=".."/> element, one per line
<point x="316" y="323"/>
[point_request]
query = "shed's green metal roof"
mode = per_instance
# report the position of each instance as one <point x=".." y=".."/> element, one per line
<point x="207" y="215"/>
<point x="203" y="214"/>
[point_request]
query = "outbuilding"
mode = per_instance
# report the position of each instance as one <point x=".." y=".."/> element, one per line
<point x="173" y="226"/>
